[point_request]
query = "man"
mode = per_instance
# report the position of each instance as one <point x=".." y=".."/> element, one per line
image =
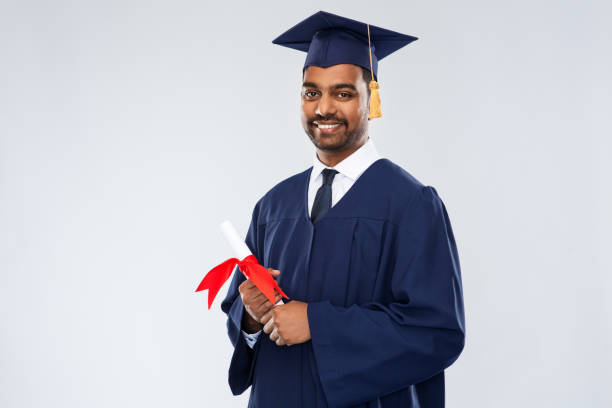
<point x="364" y="251"/>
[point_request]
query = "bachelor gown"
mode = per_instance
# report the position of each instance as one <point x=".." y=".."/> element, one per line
<point x="380" y="273"/>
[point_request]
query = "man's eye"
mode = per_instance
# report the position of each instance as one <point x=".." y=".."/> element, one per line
<point x="310" y="94"/>
<point x="345" y="95"/>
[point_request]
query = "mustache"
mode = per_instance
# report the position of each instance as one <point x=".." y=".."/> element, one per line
<point x="327" y="118"/>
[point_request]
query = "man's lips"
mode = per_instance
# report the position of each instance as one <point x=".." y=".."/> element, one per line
<point x="326" y="126"/>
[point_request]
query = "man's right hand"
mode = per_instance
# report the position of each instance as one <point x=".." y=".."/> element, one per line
<point x="255" y="304"/>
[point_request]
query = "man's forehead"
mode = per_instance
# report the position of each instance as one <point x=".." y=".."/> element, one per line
<point x="340" y="73"/>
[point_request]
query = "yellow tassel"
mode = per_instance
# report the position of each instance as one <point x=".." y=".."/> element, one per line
<point x="373" y="85"/>
<point x="374" y="101"/>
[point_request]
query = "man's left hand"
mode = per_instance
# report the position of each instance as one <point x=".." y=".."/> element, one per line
<point x="287" y="323"/>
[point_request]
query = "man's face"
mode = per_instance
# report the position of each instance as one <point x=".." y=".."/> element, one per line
<point x="335" y="106"/>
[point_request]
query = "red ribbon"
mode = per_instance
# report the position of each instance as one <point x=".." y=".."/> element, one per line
<point x="249" y="266"/>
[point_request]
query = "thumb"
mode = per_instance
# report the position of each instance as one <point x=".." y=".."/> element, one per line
<point x="275" y="273"/>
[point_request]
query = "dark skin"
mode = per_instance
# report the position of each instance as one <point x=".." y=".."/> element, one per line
<point x="334" y="96"/>
<point x="255" y="304"/>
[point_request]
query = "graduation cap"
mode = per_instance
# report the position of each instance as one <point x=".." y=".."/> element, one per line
<point x="329" y="39"/>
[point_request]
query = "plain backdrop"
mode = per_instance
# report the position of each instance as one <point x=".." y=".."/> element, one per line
<point x="130" y="129"/>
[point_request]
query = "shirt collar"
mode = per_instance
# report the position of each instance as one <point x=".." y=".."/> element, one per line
<point x="353" y="165"/>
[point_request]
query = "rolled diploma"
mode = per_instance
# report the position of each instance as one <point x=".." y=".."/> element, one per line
<point x="240" y="248"/>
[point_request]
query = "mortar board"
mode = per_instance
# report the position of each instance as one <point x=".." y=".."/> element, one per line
<point x="329" y="39"/>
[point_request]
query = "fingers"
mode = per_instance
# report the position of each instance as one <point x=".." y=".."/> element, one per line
<point x="247" y="284"/>
<point x="255" y="302"/>
<point x="274" y="335"/>
<point x="266" y="316"/>
<point x="259" y="310"/>
<point x="257" y="298"/>
<point x="249" y="290"/>
<point x="251" y="296"/>
<point x="270" y="329"/>
<point x="261" y="302"/>
<point x="265" y="304"/>
<point x="268" y="321"/>
<point x="276" y="338"/>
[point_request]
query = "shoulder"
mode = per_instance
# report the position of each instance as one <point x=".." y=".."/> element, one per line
<point x="399" y="178"/>
<point x="283" y="199"/>
<point x="398" y="185"/>
<point x="290" y="186"/>
<point x="403" y="192"/>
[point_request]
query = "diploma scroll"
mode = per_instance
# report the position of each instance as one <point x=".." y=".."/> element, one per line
<point x="240" y="248"/>
<point x="247" y="264"/>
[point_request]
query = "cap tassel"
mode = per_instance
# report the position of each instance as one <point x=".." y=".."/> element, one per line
<point x="374" y="100"/>
<point x="375" y="111"/>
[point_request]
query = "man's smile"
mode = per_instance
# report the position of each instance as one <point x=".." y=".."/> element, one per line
<point x="327" y="127"/>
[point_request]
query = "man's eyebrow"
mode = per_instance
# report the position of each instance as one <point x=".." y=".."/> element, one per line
<point x="337" y="86"/>
<point x="309" y="85"/>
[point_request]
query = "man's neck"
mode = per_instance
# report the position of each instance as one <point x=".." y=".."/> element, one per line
<point x="331" y="158"/>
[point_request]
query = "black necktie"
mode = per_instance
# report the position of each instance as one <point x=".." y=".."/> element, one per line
<point x="322" y="201"/>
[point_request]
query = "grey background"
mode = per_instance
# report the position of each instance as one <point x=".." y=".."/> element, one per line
<point x="130" y="129"/>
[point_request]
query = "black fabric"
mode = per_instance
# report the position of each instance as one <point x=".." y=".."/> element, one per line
<point x="322" y="201"/>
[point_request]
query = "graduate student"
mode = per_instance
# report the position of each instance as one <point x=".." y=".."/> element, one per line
<point x="364" y="251"/>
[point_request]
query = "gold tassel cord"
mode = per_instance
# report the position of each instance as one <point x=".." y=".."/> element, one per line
<point x="375" y="111"/>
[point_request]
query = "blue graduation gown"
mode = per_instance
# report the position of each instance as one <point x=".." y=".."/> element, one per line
<point x="381" y="276"/>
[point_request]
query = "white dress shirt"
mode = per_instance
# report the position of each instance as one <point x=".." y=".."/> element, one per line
<point x="349" y="171"/>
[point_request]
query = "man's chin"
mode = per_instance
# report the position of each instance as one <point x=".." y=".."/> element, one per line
<point x="329" y="146"/>
<point x="328" y="143"/>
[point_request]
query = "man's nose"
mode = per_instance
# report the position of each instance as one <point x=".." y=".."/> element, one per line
<point x="326" y="106"/>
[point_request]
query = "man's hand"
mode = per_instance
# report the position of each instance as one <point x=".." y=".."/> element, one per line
<point x="255" y="304"/>
<point x="288" y="323"/>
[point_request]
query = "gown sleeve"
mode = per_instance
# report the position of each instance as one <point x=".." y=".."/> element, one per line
<point x="243" y="359"/>
<point x="366" y="351"/>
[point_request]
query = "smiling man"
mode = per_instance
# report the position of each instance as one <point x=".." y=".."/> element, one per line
<point x="335" y="110"/>
<point x="364" y="250"/>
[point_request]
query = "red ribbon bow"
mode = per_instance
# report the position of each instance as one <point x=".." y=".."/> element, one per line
<point x="249" y="266"/>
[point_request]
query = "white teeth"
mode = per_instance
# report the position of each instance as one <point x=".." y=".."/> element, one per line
<point x="322" y="126"/>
